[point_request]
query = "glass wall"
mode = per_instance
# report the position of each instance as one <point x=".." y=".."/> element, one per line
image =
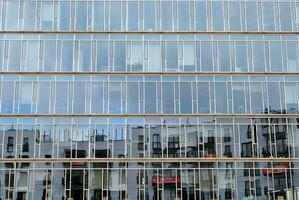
<point x="149" y="94"/>
<point x="149" y="53"/>
<point x="97" y="15"/>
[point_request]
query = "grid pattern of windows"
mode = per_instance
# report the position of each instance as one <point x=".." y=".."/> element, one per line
<point x="150" y="16"/>
<point x="149" y="100"/>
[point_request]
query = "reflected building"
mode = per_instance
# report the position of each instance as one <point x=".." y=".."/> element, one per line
<point x="149" y="100"/>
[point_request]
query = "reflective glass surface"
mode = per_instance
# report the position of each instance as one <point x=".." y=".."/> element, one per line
<point x="149" y="100"/>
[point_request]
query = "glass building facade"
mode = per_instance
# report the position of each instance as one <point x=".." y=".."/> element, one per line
<point x="149" y="100"/>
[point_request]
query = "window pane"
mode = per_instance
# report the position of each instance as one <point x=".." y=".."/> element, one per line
<point x="98" y="15"/>
<point x="133" y="97"/>
<point x="12" y="10"/>
<point x="275" y="56"/>
<point x="185" y="98"/>
<point x="166" y="16"/>
<point x="217" y="16"/>
<point x="97" y="97"/>
<point x="61" y="96"/>
<point x="224" y="56"/>
<point x="119" y="56"/>
<point x="238" y="98"/>
<point x="115" y="16"/>
<point x="14" y="55"/>
<point x="25" y="98"/>
<point x="50" y="55"/>
<point x="256" y="97"/>
<point x="133" y="16"/>
<point x="79" y="97"/>
<point x="29" y="15"/>
<point x="64" y="16"/>
<point x="150" y="97"/>
<point x="84" y="56"/>
<point x="168" y="98"/>
<point x="171" y="56"/>
<point x="189" y="56"/>
<point x="149" y="16"/>
<point x="46" y="16"/>
<point x="43" y="98"/>
<point x="251" y="16"/>
<point x="203" y="97"/>
<point x="221" y="97"/>
<point x="206" y="56"/>
<point x="183" y="16"/>
<point x="102" y="56"/>
<point x="241" y="57"/>
<point x="201" y="16"/>
<point x="258" y="56"/>
<point x="154" y="56"/>
<point x="234" y="17"/>
<point x="7" y="98"/>
<point x="115" y="98"/>
<point x="67" y="56"/>
<point x="136" y="61"/>
<point x="292" y="56"/>
<point x="32" y="57"/>
<point x="268" y="16"/>
<point x="81" y="16"/>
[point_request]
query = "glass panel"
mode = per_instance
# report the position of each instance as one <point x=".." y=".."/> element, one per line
<point x="97" y="97"/>
<point x="25" y="98"/>
<point x="275" y="56"/>
<point x="29" y="15"/>
<point x="7" y="100"/>
<point x="168" y="98"/>
<point x="12" y="10"/>
<point x="32" y="56"/>
<point x="115" y="16"/>
<point x="115" y="98"/>
<point x="133" y="16"/>
<point x="206" y="55"/>
<point x="61" y="95"/>
<point x="171" y="56"/>
<point x="258" y="56"/>
<point x="238" y="98"/>
<point x="84" y="56"/>
<point x="274" y="97"/>
<point x="46" y="16"/>
<point x="136" y="61"/>
<point x="64" y="15"/>
<point x="166" y="16"/>
<point x="150" y="97"/>
<point x="217" y="16"/>
<point x="285" y="16"/>
<point x="292" y="56"/>
<point x="98" y="15"/>
<point x="234" y="17"/>
<point x="292" y="98"/>
<point x="1" y="55"/>
<point x="50" y="56"/>
<point x="133" y="98"/>
<point x="221" y="97"/>
<point x="185" y="98"/>
<point x="251" y="16"/>
<point x="14" y="54"/>
<point x="201" y="16"/>
<point x="67" y="56"/>
<point x="102" y="56"/>
<point x="154" y="56"/>
<point x="224" y="56"/>
<point x="120" y="56"/>
<point x="183" y="16"/>
<point x="43" y="98"/>
<point x="203" y="97"/>
<point x="79" y="98"/>
<point x="149" y="16"/>
<point x="81" y="16"/>
<point x="241" y="57"/>
<point x="189" y="56"/>
<point x="256" y="95"/>
<point x="268" y="16"/>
